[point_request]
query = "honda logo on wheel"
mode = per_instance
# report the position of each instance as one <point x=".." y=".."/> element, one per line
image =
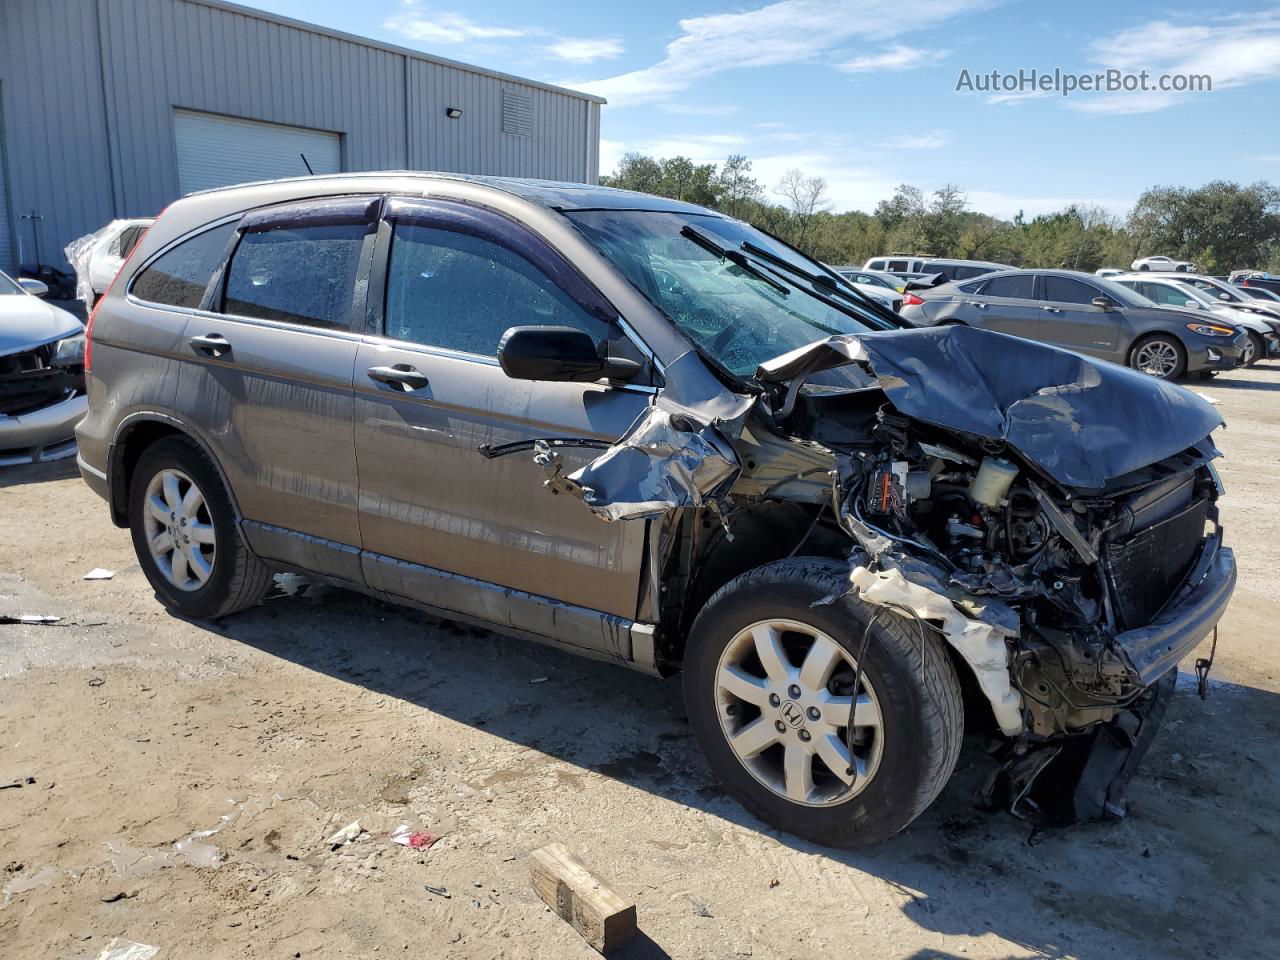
<point x="792" y="714"/>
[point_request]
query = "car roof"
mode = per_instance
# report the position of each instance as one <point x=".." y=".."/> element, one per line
<point x="554" y="194"/>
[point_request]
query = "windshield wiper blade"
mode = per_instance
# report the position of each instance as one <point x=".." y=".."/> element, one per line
<point x="733" y="256"/>
<point x="828" y="284"/>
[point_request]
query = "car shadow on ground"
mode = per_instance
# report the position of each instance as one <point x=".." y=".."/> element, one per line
<point x="24" y="473"/>
<point x="1199" y="841"/>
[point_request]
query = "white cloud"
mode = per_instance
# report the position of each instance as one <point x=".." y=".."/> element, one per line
<point x="932" y="140"/>
<point x="446" y="27"/>
<point x="1233" y="50"/>
<point x="787" y="31"/>
<point x="897" y="57"/>
<point x="586" y="49"/>
<point x="701" y="109"/>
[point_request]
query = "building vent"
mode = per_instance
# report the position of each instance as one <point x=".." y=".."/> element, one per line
<point x="517" y="113"/>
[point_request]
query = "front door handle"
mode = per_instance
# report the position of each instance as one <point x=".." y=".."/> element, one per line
<point x="1053" y="309"/>
<point x="400" y="375"/>
<point x="211" y="344"/>
<point x="976" y="303"/>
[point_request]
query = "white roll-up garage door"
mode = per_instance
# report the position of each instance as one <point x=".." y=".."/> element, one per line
<point x="217" y="151"/>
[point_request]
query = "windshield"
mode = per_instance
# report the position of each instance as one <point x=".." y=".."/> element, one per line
<point x="1214" y="289"/>
<point x="739" y="316"/>
<point x="7" y="286"/>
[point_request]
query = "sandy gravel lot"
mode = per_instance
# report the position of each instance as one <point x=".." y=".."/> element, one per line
<point x="281" y="725"/>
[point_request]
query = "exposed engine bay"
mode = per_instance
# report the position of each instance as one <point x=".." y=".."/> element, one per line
<point x="1063" y="540"/>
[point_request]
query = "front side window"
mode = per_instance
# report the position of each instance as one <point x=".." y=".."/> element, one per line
<point x="1018" y="286"/>
<point x="296" y="274"/>
<point x="462" y="292"/>
<point x="739" y="312"/>
<point x="1066" y="290"/>
<point x="1167" y="294"/>
<point x="8" y="288"/>
<point x="179" y="277"/>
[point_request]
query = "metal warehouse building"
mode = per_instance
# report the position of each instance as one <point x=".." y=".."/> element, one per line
<point x="114" y="108"/>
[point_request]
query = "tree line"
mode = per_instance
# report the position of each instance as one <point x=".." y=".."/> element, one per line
<point x="1221" y="226"/>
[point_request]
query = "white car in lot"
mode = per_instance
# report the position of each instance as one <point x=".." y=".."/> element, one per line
<point x="97" y="257"/>
<point x="1183" y="293"/>
<point x="1164" y="264"/>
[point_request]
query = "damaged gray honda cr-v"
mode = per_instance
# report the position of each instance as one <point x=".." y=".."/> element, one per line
<point x="651" y="434"/>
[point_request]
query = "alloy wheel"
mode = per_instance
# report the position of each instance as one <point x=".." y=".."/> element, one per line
<point x="1159" y="358"/>
<point x="783" y="692"/>
<point x="179" y="530"/>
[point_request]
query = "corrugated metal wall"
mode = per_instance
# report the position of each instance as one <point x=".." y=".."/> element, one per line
<point x="89" y="88"/>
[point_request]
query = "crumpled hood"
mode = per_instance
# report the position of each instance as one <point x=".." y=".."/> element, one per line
<point x="1084" y="422"/>
<point x="27" y="322"/>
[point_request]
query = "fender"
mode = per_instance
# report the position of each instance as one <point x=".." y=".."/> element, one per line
<point x="117" y="488"/>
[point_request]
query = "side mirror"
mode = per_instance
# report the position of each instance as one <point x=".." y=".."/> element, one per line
<point x="37" y="288"/>
<point x="558" y="353"/>
<point x="1103" y="303"/>
<point x="1225" y="296"/>
<point x="1193" y="304"/>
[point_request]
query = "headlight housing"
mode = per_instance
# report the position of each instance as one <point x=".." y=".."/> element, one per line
<point x="69" y="352"/>
<point x="1211" y="330"/>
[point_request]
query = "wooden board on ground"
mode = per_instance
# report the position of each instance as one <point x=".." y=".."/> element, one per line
<point x="591" y="906"/>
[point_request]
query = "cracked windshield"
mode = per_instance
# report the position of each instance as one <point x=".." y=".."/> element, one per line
<point x="738" y="315"/>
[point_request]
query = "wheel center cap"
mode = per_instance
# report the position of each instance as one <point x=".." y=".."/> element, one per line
<point x="792" y="714"/>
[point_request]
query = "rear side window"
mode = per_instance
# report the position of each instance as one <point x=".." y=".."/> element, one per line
<point x="964" y="273"/>
<point x="876" y="265"/>
<point x="461" y="292"/>
<point x="1067" y="290"/>
<point x="899" y="266"/>
<point x="179" y="277"/>
<point x="1016" y="287"/>
<point x="301" y="275"/>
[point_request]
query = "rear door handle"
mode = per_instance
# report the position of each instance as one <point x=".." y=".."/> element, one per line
<point x="211" y="344"/>
<point x="1054" y="309"/>
<point x="400" y="375"/>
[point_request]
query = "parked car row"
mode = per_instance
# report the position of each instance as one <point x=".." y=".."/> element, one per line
<point x="1091" y="315"/>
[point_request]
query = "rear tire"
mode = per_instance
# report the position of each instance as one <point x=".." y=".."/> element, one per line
<point x="909" y="689"/>
<point x="186" y="536"/>
<point x="1159" y="355"/>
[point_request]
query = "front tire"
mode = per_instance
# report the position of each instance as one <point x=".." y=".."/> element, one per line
<point x="768" y="676"/>
<point x="1258" y="349"/>
<point x="186" y="536"/>
<point x="1159" y="356"/>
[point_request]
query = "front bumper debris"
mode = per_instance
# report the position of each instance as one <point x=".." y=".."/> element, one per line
<point x="1082" y="776"/>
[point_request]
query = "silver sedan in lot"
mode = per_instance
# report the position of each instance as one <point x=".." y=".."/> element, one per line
<point x="1086" y="314"/>
<point x="42" y="395"/>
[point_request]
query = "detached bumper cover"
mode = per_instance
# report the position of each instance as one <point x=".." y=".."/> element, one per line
<point x="1194" y="610"/>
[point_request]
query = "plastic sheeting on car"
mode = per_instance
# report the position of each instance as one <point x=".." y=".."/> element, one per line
<point x="1083" y="422"/>
<point x="79" y="253"/>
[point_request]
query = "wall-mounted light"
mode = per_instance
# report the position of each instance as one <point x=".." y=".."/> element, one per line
<point x="453" y="113"/>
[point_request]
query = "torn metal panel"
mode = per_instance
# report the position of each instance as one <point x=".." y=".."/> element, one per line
<point x="981" y="643"/>
<point x="676" y="454"/>
<point x="1083" y="422"/>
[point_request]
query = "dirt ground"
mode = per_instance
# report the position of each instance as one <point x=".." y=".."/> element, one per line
<point x="282" y="725"/>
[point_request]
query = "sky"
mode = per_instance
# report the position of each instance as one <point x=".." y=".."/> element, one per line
<point x="865" y="96"/>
